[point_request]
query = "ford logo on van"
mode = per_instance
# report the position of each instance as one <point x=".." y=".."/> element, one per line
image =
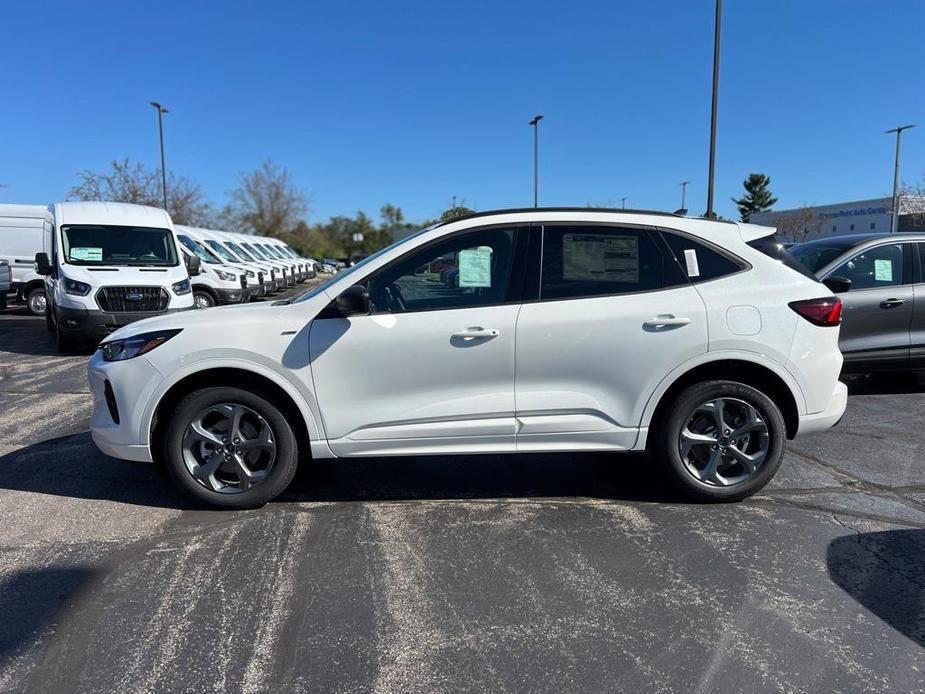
<point x="134" y="296"/>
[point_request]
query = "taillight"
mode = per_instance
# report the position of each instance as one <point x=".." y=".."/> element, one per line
<point x="825" y="311"/>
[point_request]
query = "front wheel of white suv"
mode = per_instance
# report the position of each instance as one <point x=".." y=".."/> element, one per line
<point x="721" y="441"/>
<point x="230" y="448"/>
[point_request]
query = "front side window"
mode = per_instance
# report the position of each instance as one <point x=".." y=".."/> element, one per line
<point x="92" y="244"/>
<point x="463" y="271"/>
<point x="583" y="261"/>
<point x="881" y="266"/>
<point x="205" y="255"/>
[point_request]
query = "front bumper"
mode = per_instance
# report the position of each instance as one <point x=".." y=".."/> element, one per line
<point x="130" y="391"/>
<point x="90" y="323"/>
<point x="231" y="296"/>
<point x="830" y="416"/>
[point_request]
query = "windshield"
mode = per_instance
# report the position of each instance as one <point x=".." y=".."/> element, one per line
<point x="290" y="252"/>
<point x="240" y="251"/>
<point x="92" y="244"/>
<point x="273" y="251"/>
<point x="222" y="251"/>
<point x="254" y="252"/>
<point x="205" y="255"/>
<point x="366" y="261"/>
<point x="815" y="255"/>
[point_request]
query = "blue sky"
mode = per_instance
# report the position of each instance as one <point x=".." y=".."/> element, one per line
<point x="413" y="102"/>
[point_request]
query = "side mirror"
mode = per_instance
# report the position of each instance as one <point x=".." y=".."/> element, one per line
<point x="353" y="301"/>
<point x="838" y="285"/>
<point x="42" y="264"/>
<point x="193" y="265"/>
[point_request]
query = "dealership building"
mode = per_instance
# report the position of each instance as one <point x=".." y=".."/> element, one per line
<point x="858" y="217"/>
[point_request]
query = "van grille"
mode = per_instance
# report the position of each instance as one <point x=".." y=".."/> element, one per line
<point x="132" y="299"/>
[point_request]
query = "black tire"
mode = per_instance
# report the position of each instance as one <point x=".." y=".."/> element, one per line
<point x="49" y="323"/>
<point x="203" y="298"/>
<point x="667" y="443"/>
<point x="31" y="296"/>
<point x="280" y="474"/>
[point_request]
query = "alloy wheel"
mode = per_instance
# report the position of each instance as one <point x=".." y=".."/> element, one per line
<point x="724" y="442"/>
<point x="37" y="303"/>
<point x="229" y="448"/>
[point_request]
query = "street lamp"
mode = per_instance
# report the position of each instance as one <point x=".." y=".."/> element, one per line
<point x="535" y="122"/>
<point x="894" y="221"/>
<point x="683" y="185"/>
<point x="622" y="203"/>
<point x="716" y="37"/>
<point x="160" y="129"/>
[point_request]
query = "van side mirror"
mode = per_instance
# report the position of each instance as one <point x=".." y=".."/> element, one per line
<point x="353" y="301"/>
<point x="837" y="285"/>
<point x="193" y="265"/>
<point x="42" y="264"/>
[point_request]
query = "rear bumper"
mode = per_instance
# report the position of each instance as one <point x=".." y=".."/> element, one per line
<point x="829" y="417"/>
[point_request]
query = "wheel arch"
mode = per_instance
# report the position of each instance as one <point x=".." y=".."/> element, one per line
<point x="779" y="387"/>
<point x="293" y="405"/>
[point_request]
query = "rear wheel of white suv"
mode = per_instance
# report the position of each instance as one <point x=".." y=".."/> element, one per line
<point x="230" y="448"/>
<point x="721" y="441"/>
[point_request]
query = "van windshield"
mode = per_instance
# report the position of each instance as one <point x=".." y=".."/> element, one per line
<point x="222" y="251"/>
<point x="92" y="244"/>
<point x="205" y="255"/>
<point x="240" y="251"/>
<point x="254" y="252"/>
<point x="274" y="251"/>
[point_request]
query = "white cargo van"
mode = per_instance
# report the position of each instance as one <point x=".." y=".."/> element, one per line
<point x="24" y="230"/>
<point x="217" y="283"/>
<point x="263" y="275"/>
<point x="110" y="264"/>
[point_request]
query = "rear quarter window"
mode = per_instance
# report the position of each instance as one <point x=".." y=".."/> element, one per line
<point x="773" y="248"/>
<point x="699" y="261"/>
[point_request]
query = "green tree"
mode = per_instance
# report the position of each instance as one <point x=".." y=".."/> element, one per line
<point x="757" y="196"/>
<point x="452" y="213"/>
<point x="267" y="202"/>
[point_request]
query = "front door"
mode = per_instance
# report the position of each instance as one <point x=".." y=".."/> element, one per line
<point x="431" y="369"/>
<point x="877" y="311"/>
<point x="917" y="331"/>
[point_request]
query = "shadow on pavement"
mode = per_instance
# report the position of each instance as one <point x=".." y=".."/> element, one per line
<point x="884" y="572"/>
<point x="71" y="466"/>
<point x="886" y="383"/>
<point x="30" y="600"/>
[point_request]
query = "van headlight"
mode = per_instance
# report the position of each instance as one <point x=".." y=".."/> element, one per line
<point x="249" y="273"/>
<point x="226" y="276"/>
<point x="182" y="287"/>
<point x="76" y="288"/>
<point x="130" y="347"/>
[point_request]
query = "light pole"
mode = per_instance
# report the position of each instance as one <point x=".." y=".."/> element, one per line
<point x="894" y="221"/>
<point x="535" y="122"/>
<point x="160" y="129"/>
<point x="622" y="203"/>
<point x="716" y="37"/>
<point x="684" y="185"/>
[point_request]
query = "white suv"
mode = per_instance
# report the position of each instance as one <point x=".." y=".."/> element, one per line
<point x="525" y="330"/>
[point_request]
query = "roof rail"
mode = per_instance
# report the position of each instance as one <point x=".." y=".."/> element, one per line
<point x="521" y="210"/>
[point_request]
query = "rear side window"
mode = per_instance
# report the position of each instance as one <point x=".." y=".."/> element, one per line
<point x="771" y="247"/>
<point x="700" y="262"/>
<point x="582" y="261"/>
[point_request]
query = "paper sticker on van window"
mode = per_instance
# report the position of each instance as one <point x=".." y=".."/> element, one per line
<point x="86" y="254"/>
<point x="475" y="267"/>
<point x="600" y="258"/>
<point x="690" y="259"/>
<point x="883" y="270"/>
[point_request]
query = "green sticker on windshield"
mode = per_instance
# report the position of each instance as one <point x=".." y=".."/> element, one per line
<point x="883" y="270"/>
<point x="87" y="254"/>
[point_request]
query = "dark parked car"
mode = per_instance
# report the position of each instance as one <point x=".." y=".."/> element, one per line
<point x="883" y="318"/>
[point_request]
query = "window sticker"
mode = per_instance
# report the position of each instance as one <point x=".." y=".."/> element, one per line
<point x="883" y="270"/>
<point x="690" y="259"/>
<point x="600" y="258"/>
<point x="86" y="254"/>
<point x="475" y="267"/>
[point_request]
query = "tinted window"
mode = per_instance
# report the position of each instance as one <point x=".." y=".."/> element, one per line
<point x="594" y="261"/>
<point x="699" y="261"/>
<point x="205" y="255"/>
<point x="771" y="247"/>
<point x="466" y="270"/>
<point x="815" y="255"/>
<point x="881" y="266"/>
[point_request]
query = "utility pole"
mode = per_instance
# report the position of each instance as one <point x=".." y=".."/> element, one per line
<point x="684" y="185"/>
<point x="535" y="122"/>
<point x="716" y="41"/>
<point x="622" y="203"/>
<point x="160" y="129"/>
<point x="894" y="218"/>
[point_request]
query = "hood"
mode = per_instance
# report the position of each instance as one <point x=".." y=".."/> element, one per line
<point x="113" y="275"/>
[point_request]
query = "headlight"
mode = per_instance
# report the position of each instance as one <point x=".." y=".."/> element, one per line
<point x="120" y="350"/>
<point x="226" y="276"/>
<point x="76" y="288"/>
<point x="249" y="273"/>
<point x="182" y="287"/>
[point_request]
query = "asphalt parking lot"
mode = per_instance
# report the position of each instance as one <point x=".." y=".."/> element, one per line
<point x="494" y="573"/>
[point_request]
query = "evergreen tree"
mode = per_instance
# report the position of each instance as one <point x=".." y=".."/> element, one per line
<point x="757" y="196"/>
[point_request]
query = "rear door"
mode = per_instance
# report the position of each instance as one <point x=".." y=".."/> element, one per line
<point x="877" y="312"/>
<point x="612" y="315"/>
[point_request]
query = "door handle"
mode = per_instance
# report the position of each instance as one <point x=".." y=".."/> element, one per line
<point x="666" y="320"/>
<point x="470" y="333"/>
<point x="891" y="303"/>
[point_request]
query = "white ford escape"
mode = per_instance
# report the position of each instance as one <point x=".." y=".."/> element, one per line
<point x="527" y="330"/>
